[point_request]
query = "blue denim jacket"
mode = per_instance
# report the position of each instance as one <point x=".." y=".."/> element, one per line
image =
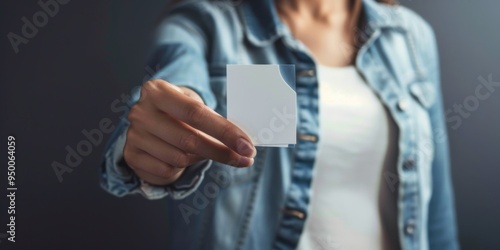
<point x="215" y="206"/>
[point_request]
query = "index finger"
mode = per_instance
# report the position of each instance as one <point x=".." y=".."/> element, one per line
<point x="201" y="117"/>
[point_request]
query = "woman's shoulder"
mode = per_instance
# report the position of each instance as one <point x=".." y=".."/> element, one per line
<point x="414" y="23"/>
<point x="414" y="31"/>
<point x="422" y="34"/>
<point x="200" y="9"/>
<point x="396" y="16"/>
<point x="417" y="29"/>
<point x="207" y="16"/>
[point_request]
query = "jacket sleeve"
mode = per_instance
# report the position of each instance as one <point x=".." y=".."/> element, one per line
<point x="179" y="58"/>
<point x="442" y="229"/>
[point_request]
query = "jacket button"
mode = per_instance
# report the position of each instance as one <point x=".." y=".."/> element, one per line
<point x="307" y="72"/>
<point x="409" y="164"/>
<point x="403" y="105"/>
<point x="410" y="227"/>
<point x="295" y="213"/>
<point x="311" y="138"/>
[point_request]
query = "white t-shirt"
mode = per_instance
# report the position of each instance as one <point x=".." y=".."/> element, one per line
<point x="352" y="206"/>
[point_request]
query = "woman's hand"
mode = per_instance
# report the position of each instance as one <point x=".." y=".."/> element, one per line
<point x="171" y="129"/>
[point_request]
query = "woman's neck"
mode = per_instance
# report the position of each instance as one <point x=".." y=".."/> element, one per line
<point x="324" y="26"/>
<point x="320" y="10"/>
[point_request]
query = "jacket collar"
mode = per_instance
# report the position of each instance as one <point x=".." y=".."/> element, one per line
<point x="263" y="25"/>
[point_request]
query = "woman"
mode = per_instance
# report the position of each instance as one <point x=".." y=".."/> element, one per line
<point x="370" y="169"/>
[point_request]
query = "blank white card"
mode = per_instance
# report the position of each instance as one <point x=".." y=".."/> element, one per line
<point x="262" y="102"/>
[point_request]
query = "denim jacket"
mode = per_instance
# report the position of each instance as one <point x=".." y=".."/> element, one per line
<point x="215" y="206"/>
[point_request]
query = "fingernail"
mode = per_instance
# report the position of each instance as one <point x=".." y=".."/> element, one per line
<point x="245" y="148"/>
<point x="245" y="162"/>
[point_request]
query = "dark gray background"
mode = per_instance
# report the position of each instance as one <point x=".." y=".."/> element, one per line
<point x="65" y="79"/>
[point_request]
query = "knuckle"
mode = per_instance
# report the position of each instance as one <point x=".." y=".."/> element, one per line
<point x="135" y="113"/>
<point x="151" y="88"/>
<point x="149" y="85"/>
<point x="182" y="160"/>
<point x="196" y="113"/>
<point x="189" y="142"/>
<point x="147" y="88"/>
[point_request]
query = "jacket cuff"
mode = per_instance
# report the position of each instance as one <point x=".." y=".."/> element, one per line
<point x="188" y="183"/>
<point x="119" y="179"/>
